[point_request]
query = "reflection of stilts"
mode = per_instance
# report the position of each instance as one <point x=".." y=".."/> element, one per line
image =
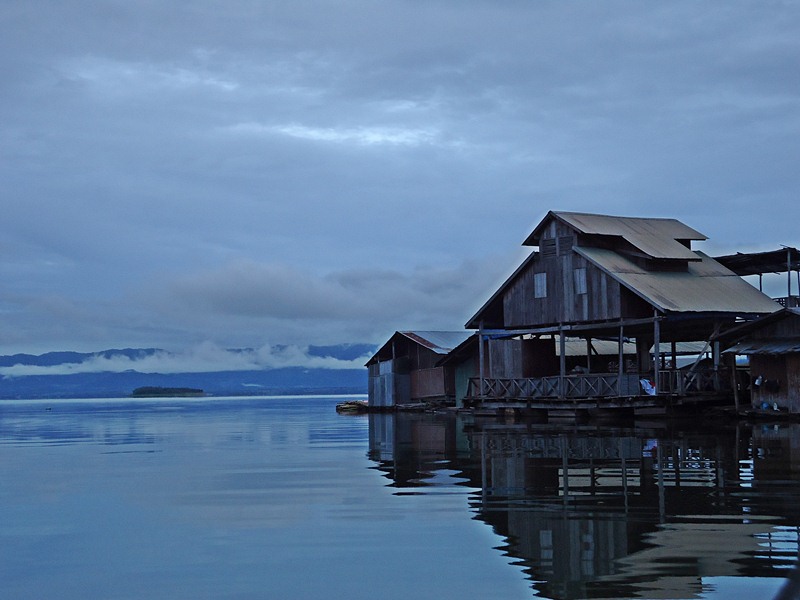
<point x="565" y="470"/>
<point x="624" y="472"/>
<point x="661" y="501"/>
<point x="791" y="588"/>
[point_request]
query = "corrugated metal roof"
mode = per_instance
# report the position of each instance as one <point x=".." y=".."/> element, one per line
<point x="611" y="225"/>
<point x="683" y="347"/>
<point x="755" y="263"/>
<point x="706" y="286"/>
<point x="577" y="347"/>
<point x="441" y="342"/>
<point x="656" y="238"/>
<point x="766" y="347"/>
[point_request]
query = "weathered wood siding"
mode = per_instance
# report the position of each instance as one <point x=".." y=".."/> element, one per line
<point x="389" y="382"/>
<point x="602" y="299"/>
<point x="522" y="358"/>
<point x="389" y="389"/>
<point x="430" y="383"/>
<point x="782" y="368"/>
<point x="793" y="383"/>
<point x="505" y="358"/>
<point x="463" y="372"/>
<point x="780" y="381"/>
<point x="787" y="328"/>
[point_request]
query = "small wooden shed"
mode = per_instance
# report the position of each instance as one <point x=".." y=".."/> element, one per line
<point x="406" y="368"/>
<point x="773" y="345"/>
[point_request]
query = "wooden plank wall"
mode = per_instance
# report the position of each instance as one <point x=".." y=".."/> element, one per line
<point x="793" y="383"/>
<point x="787" y="327"/>
<point x="428" y="383"/>
<point x="602" y="300"/>
<point x="769" y="368"/>
<point x="523" y="358"/>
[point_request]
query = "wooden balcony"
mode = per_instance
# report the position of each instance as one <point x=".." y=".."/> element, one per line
<point x="599" y="386"/>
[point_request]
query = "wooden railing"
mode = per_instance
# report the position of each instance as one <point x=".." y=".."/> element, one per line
<point x="790" y="302"/>
<point x="699" y="381"/>
<point x="574" y="386"/>
<point x="601" y="385"/>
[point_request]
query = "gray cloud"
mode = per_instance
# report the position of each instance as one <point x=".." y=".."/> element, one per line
<point x="372" y="302"/>
<point x="310" y="169"/>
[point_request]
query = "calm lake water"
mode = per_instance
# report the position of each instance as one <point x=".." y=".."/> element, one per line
<point x="283" y="498"/>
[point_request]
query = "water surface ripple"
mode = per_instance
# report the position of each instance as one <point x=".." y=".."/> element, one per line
<point x="283" y="498"/>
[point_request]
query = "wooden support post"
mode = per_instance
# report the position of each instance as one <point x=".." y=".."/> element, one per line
<point x="643" y="354"/>
<point x="489" y="345"/>
<point x="734" y="382"/>
<point x="481" y="389"/>
<point x="562" y="363"/>
<point x="788" y="277"/>
<point x="621" y="365"/>
<point x="588" y="355"/>
<point x="656" y="350"/>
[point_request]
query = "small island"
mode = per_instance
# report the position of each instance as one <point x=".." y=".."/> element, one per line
<point x="166" y="392"/>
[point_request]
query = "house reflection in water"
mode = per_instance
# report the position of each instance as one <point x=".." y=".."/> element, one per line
<point x="600" y="512"/>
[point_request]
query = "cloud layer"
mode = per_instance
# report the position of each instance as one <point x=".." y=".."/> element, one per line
<point x="203" y="358"/>
<point x="314" y="172"/>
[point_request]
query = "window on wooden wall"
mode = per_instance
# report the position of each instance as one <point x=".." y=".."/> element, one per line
<point x="540" y="285"/>
<point x="580" y="280"/>
<point x="565" y="244"/>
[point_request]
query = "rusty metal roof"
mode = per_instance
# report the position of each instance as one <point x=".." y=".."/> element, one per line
<point x="657" y="238"/>
<point x="706" y="286"/>
<point x="441" y="342"/>
<point x="757" y="263"/>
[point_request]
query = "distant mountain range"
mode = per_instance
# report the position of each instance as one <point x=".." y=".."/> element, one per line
<point x="267" y="381"/>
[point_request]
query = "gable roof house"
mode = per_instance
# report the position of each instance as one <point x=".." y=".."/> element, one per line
<point x="600" y="277"/>
<point x="406" y="368"/>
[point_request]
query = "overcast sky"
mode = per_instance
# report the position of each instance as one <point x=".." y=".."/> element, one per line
<point x="246" y="173"/>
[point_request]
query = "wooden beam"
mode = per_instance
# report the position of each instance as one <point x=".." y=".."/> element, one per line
<point x="562" y="363"/>
<point x="554" y="329"/>
<point x="656" y="348"/>
<point x="480" y="359"/>
<point x="588" y="355"/>
<point x="621" y="366"/>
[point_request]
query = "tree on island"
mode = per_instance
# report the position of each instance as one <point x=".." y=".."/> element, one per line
<point x="155" y="391"/>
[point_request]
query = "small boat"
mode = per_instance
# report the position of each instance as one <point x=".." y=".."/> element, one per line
<point x="352" y="407"/>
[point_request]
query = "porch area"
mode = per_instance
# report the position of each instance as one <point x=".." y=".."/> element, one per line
<point x="601" y="387"/>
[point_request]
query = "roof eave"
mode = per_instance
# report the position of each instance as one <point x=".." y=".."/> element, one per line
<point x="533" y="238"/>
<point x="474" y="321"/>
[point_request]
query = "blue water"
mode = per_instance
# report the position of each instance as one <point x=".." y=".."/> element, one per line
<point x="228" y="498"/>
<point x="284" y="498"/>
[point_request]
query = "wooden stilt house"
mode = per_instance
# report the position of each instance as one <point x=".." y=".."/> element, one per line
<point x="599" y="277"/>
